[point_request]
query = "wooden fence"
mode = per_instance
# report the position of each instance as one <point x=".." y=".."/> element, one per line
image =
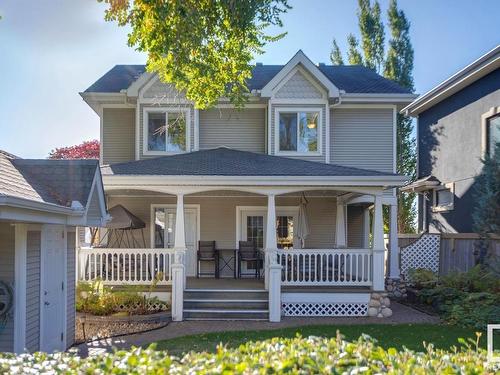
<point x="456" y="250"/>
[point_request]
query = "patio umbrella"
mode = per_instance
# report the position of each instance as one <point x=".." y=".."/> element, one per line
<point x="303" y="224"/>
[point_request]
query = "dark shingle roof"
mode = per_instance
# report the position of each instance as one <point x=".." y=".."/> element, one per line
<point x="50" y="181"/>
<point x="223" y="161"/>
<point x="350" y="78"/>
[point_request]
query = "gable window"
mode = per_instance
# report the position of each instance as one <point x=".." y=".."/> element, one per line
<point x="492" y="134"/>
<point x="298" y="131"/>
<point x="165" y="131"/>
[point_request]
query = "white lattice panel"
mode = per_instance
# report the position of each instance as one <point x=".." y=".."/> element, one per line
<point x="324" y="309"/>
<point x="423" y="253"/>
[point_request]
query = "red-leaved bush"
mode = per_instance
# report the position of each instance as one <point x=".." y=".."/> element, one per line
<point x="85" y="150"/>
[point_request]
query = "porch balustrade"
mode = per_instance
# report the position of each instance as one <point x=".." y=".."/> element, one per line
<point x="126" y="266"/>
<point x="322" y="267"/>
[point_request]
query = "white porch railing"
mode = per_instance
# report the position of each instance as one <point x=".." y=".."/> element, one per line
<point x="125" y="266"/>
<point x="314" y="267"/>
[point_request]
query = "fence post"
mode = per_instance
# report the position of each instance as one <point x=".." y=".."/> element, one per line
<point x="274" y="288"/>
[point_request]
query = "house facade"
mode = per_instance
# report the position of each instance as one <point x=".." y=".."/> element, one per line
<point x="41" y="204"/>
<point x="315" y="144"/>
<point x="458" y="123"/>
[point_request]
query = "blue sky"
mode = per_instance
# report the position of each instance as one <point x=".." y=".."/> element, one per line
<point x="52" y="49"/>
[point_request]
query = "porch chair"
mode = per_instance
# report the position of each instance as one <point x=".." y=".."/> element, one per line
<point x="248" y="252"/>
<point x="207" y="253"/>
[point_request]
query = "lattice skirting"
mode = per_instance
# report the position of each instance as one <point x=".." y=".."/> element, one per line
<point x="324" y="309"/>
<point x="423" y="253"/>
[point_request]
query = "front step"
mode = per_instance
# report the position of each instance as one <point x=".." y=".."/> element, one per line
<point x="222" y="304"/>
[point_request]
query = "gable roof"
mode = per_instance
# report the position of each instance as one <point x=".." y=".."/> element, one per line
<point x="463" y="78"/>
<point x="224" y="161"/>
<point x="349" y="78"/>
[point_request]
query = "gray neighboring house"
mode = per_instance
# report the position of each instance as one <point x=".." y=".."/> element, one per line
<point x="41" y="203"/>
<point x="458" y="123"/>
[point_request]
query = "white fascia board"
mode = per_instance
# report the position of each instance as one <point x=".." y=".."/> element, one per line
<point x="300" y="58"/>
<point x="24" y="215"/>
<point x="38" y="206"/>
<point x="471" y="73"/>
<point x="114" y="182"/>
<point x="376" y="98"/>
<point x="96" y="100"/>
<point x="135" y="87"/>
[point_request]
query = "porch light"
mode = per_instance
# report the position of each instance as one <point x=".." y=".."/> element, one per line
<point x="311" y="125"/>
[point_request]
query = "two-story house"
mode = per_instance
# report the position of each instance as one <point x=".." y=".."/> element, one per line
<point x="302" y="173"/>
<point x="458" y="124"/>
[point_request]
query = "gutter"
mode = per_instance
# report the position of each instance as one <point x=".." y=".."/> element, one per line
<point x="39" y="206"/>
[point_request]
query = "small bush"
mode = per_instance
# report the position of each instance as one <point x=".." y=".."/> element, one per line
<point x="422" y="278"/>
<point x="311" y="355"/>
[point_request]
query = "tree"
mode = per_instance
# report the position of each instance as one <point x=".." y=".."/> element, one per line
<point x="335" y="54"/>
<point x="203" y="47"/>
<point x="486" y="217"/>
<point x="396" y="65"/>
<point x="85" y="150"/>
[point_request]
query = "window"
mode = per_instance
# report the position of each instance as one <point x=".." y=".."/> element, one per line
<point x="443" y="199"/>
<point x="298" y="131"/>
<point x="165" y="131"/>
<point x="492" y="133"/>
<point x="255" y="230"/>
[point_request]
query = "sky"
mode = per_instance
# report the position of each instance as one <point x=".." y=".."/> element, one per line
<point x="50" y="50"/>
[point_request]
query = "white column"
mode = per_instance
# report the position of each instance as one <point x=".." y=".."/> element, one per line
<point x="20" y="244"/>
<point x="366" y="228"/>
<point x="272" y="269"/>
<point x="178" y="267"/>
<point x="394" y="271"/>
<point x="340" y="227"/>
<point x="378" y="246"/>
<point x="271" y="241"/>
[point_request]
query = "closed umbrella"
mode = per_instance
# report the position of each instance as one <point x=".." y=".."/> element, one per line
<point x="303" y="224"/>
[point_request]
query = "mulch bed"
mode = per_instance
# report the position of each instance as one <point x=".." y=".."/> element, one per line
<point x="89" y="327"/>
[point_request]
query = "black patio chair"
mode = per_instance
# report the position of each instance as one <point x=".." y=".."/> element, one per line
<point x="248" y="252"/>
<point x="207" y="253"/>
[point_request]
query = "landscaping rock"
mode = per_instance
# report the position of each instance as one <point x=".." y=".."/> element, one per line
<point x="372" y="311"/>
<point x="387" y="312"/>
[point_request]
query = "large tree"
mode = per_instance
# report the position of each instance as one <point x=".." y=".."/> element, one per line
<point x="396" y="64"/>
<point x="203" y="47"/>
<point x="84" y="150"/>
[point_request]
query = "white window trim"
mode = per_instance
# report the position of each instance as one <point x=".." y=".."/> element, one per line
<point x="277" y="112"/>
<point x="443" y="208"/>
<point x="145" y="120"/>
<point x="154" y="206"/>
<point x="493" y="112"/>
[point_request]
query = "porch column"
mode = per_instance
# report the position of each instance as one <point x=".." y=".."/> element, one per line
<point x="340" y="227"/>
<point x="272" y="268"/>
<point x="378" y="245"/>
<point x="366" y="228"/>
<point x="178" y="267"/>
<point x="394" y="271"/>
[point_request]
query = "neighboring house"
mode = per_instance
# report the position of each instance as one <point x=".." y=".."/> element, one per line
<point x="41" y="203"/>
<point x="318" y="134"/>
<point x="458" y="124"/>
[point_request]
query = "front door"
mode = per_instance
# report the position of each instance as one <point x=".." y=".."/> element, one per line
<point x="52" y="288"/>
<point x="165" y="233"/>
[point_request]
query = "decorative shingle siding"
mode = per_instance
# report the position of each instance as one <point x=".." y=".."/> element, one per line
<point x="320" y="158"/>
<point x="118" y="135"/>
<point x="159" y="90"/>
<point x="298" y="87"/>
<point x="33" y="245"/>
<point x="362" y="138"/>
<point x="7" y="244"/>
<point x="70" y="285"/>
<point x="241" y="130"/>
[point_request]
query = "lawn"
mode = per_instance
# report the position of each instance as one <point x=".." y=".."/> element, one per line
<point x="398" y="336"/>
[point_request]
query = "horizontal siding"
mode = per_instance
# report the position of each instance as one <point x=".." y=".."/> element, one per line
<point x="320" y="158"/>
<point x="362" y="138"/>
<point x="118" y="135"/>
<point x="7" y="244"/>
<point x="33" y="246"/>
<point x="70" y="289"/>
<point x="241" y="130"/>
<point x="94" y="210"/>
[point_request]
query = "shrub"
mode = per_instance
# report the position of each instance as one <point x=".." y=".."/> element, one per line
<point x="422" y="278"/>
<point x="311" y="355"/>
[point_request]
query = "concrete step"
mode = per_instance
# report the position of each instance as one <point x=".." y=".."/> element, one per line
<point x="229" y="304"/>
<point x="225" y="314"/>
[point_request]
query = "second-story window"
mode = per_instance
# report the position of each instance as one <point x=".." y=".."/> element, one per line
<point x="166" y="131"/>
<point x="298" y="131"/>
<point x="492" y="134"/>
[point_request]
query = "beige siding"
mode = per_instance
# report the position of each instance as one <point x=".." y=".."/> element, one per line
<point x="94" y="211"/>
<point x="7" y="274"/>
<point x="355" y="226"/>
<point x="241" y="130"/>
<point x="274" y="126"/>
<point x="218" y="216"/>
<point x="362" y="138"/>
<point x="70" y="285"/>
<point x="118" y="135"/>
<point x="299" y="87"/>
<point x="33" y="245"/>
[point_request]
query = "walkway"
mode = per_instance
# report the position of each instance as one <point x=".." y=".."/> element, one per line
<point x="401" y="314"/>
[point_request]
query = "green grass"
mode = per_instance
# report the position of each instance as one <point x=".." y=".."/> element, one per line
<point x="398" y="336"/>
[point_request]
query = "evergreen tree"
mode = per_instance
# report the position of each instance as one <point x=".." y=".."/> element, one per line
<point x="335" y="54"/>
<point x="486" y="214"/>
<point x="397" y="65"/>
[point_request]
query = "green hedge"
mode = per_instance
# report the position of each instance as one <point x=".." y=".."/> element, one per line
<point x="311" y="355"/>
